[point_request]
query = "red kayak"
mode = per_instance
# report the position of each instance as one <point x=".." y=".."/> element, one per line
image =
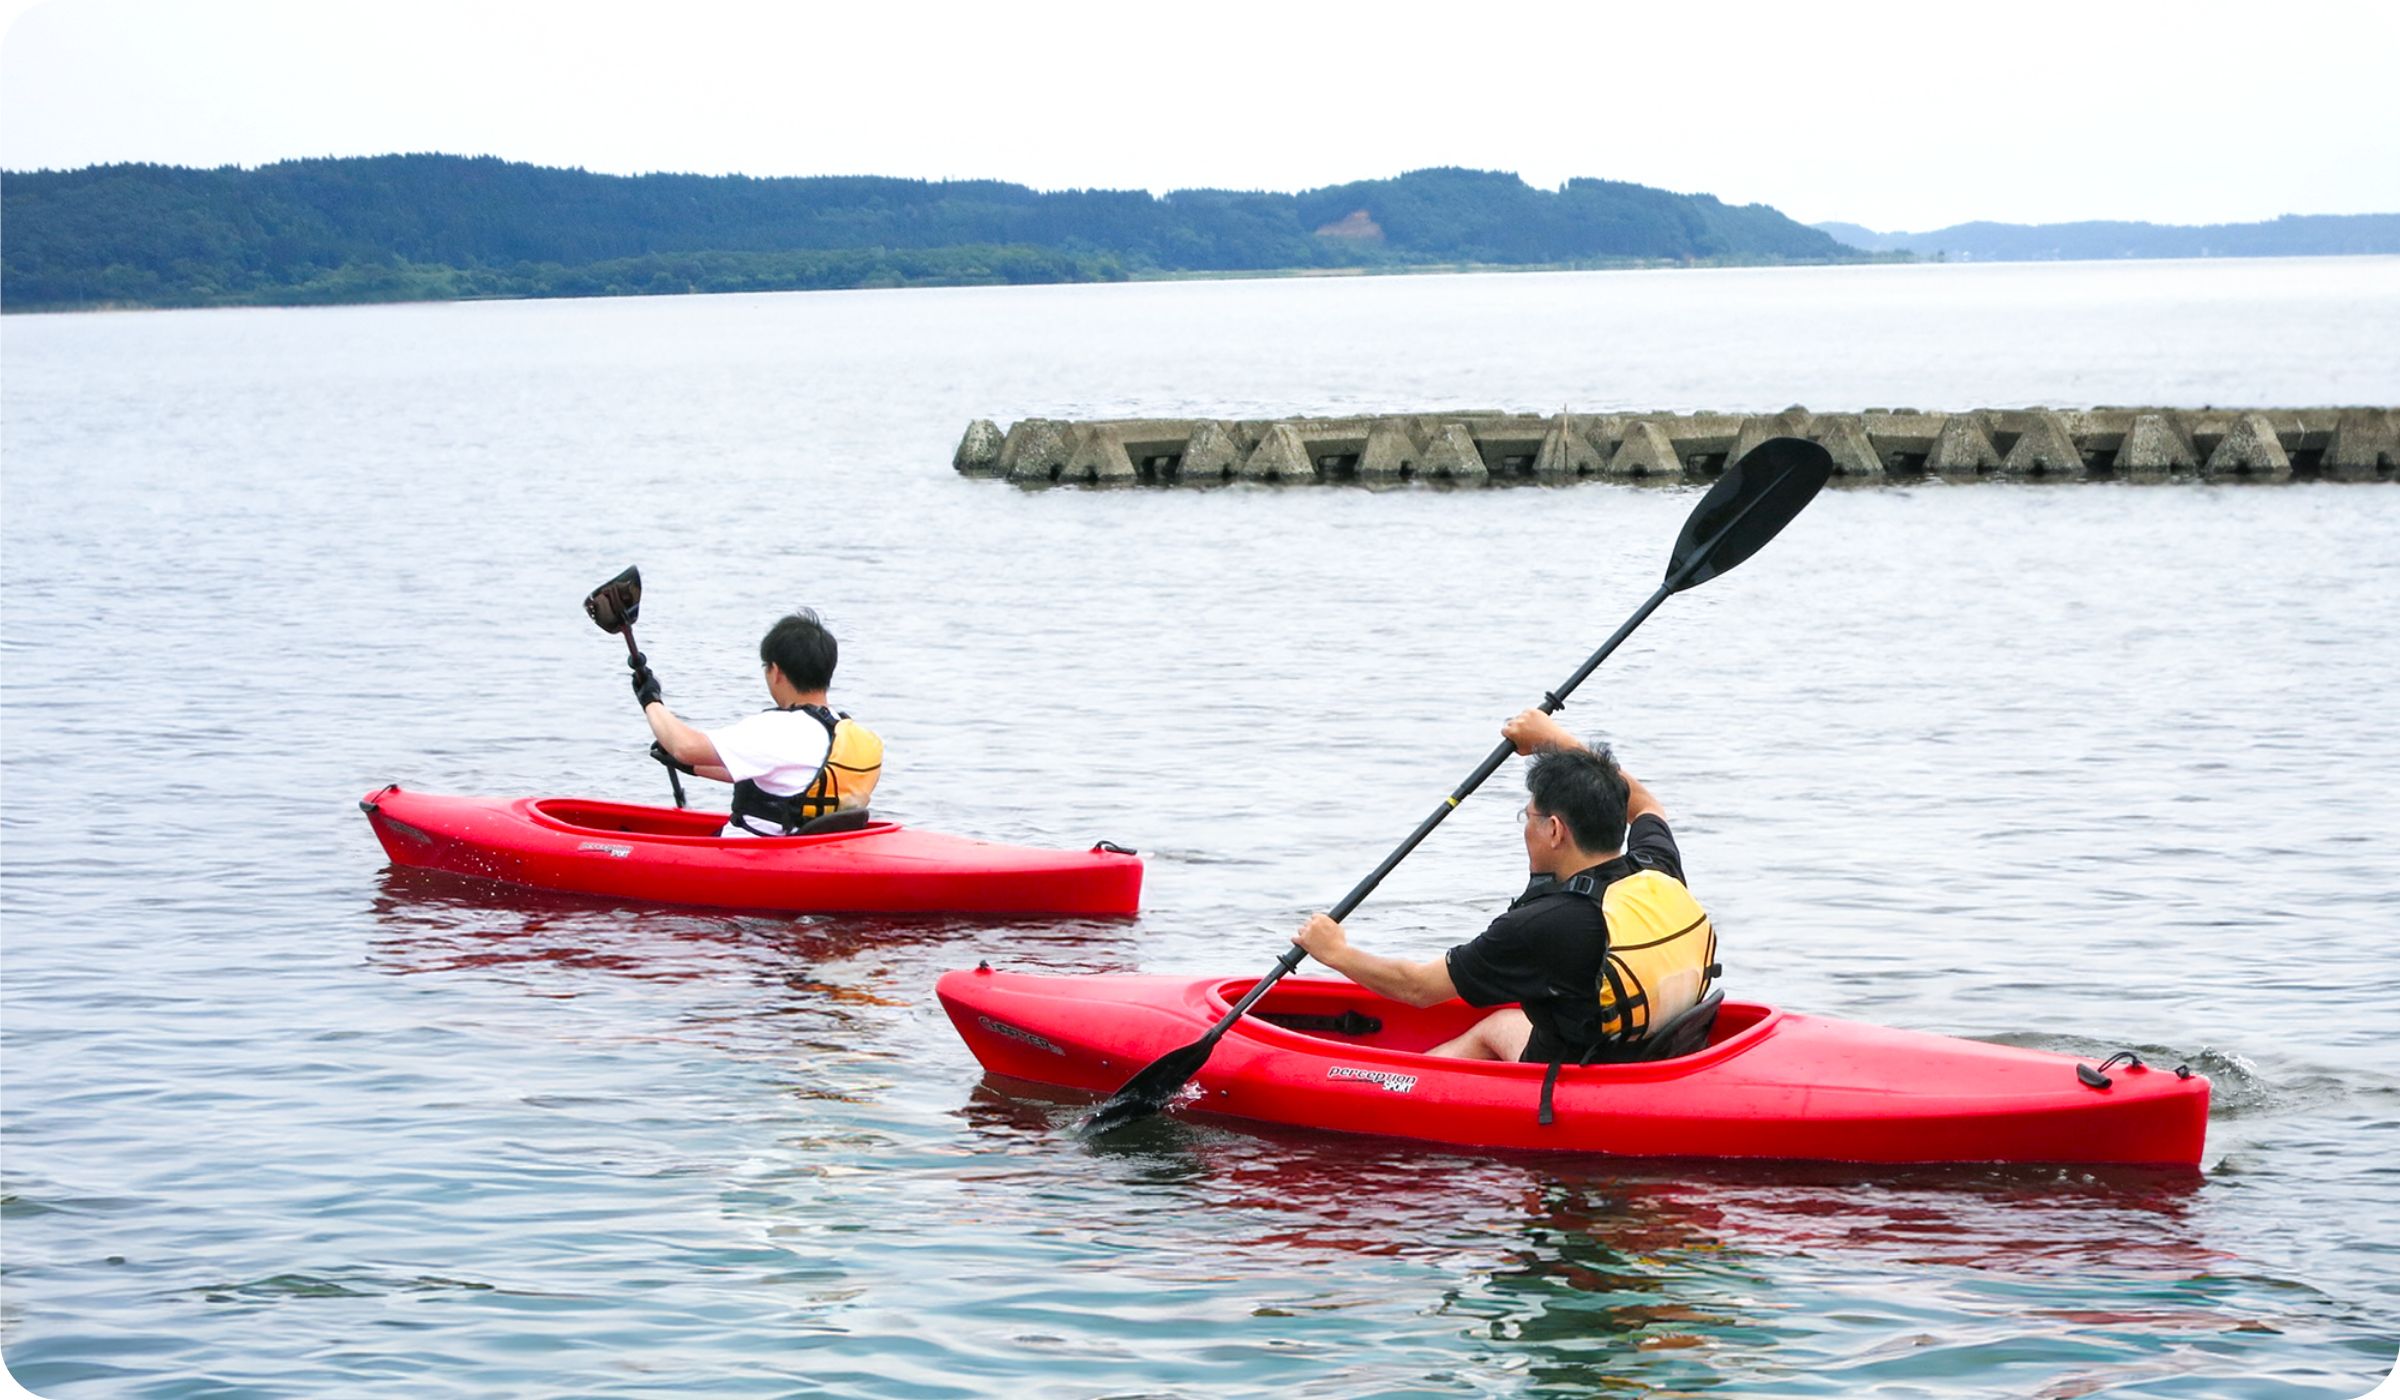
<point x="673" y="856"/>
<point x="1765" y="1083"/>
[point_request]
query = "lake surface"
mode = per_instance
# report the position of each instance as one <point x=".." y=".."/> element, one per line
<point x="2080" y="767"/>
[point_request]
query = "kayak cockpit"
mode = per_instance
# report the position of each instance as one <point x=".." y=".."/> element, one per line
<point x="584" y="814"/>
<point x="1343" y="1014"/>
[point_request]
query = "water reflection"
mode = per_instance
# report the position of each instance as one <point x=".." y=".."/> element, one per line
<point x="429" y="921"/>
<point x="1635" y="1274"/>
<point x="1998" y="1216"/>
<point x="822" y="1003"/>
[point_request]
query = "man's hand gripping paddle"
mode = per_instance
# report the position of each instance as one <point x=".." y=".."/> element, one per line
<point x="614" y="605"/>
<point x="1749" y="505"/>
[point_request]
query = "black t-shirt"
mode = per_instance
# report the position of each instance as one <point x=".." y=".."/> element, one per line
<point x="1545" y="952"/>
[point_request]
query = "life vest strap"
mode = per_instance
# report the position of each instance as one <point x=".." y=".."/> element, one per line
<point x="1621" y="1004"/>
<point x="1655" y="942"/>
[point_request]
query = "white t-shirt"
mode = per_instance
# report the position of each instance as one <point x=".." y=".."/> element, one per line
<point x="780" y="750"/>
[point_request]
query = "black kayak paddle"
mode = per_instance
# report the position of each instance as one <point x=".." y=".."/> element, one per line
<point x="1750" y="504"/>
<point x="614" y="605"/>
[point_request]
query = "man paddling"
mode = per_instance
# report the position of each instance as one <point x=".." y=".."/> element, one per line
<point x="789" y="765"/>
<point x="1605" y="942"/>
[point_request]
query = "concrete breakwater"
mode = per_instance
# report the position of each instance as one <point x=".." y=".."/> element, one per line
<point x="1480" y="447"/>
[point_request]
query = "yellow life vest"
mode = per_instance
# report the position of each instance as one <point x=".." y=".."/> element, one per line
<point x="1662" y="952"/>
<point x="851" y="770"/>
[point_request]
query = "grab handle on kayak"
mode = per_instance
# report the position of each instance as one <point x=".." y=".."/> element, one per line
<point x="2098" y="1078"/>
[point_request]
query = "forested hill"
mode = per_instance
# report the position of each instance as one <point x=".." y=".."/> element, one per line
<point x="433" y="226"/>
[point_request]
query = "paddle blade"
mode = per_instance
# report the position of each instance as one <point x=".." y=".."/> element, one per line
<point x="1750" y="504"/>
<point x="616" y="603"/>
<point x="1151" y="1090"/>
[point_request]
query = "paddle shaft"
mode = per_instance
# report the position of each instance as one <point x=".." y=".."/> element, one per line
<point x="674" y="779"/>
<point x="1551" y="704"/>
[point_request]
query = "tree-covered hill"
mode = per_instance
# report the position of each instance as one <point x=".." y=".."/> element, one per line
<point x="432" y="226"/>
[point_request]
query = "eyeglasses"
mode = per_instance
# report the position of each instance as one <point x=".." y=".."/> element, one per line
<point x="1526" y="814"/>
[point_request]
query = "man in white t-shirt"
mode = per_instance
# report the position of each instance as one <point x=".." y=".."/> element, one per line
<point x="789" y="765"/>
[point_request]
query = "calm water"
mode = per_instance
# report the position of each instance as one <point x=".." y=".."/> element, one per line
<point x="2079" y="767"/>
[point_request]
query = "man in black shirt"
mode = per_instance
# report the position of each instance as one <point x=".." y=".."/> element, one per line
<point x="1545" y="954"/>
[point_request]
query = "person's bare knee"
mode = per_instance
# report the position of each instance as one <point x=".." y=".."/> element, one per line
<point x="1505" y="1034"/>
<point x="1499" y="1036"/>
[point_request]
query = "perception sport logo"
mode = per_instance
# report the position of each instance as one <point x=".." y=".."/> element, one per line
<point x="1039" y="1042"/>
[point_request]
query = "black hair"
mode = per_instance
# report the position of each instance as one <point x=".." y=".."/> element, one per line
<point x="1583" y="788"/>
<point x="800" y="646"/>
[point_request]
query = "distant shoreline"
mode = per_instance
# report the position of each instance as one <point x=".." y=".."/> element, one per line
<point x="2292" y="235"/>
<point x="1242" y="275"/>
<point x="303" y="302"/>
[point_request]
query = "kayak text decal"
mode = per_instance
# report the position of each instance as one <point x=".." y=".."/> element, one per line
<point x="607" y="848"/>
<point x="1020" y="1033"/>
<point x="1393" y="1083"/>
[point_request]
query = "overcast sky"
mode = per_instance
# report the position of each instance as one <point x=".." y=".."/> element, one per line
<point x="1898" y="116"/>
